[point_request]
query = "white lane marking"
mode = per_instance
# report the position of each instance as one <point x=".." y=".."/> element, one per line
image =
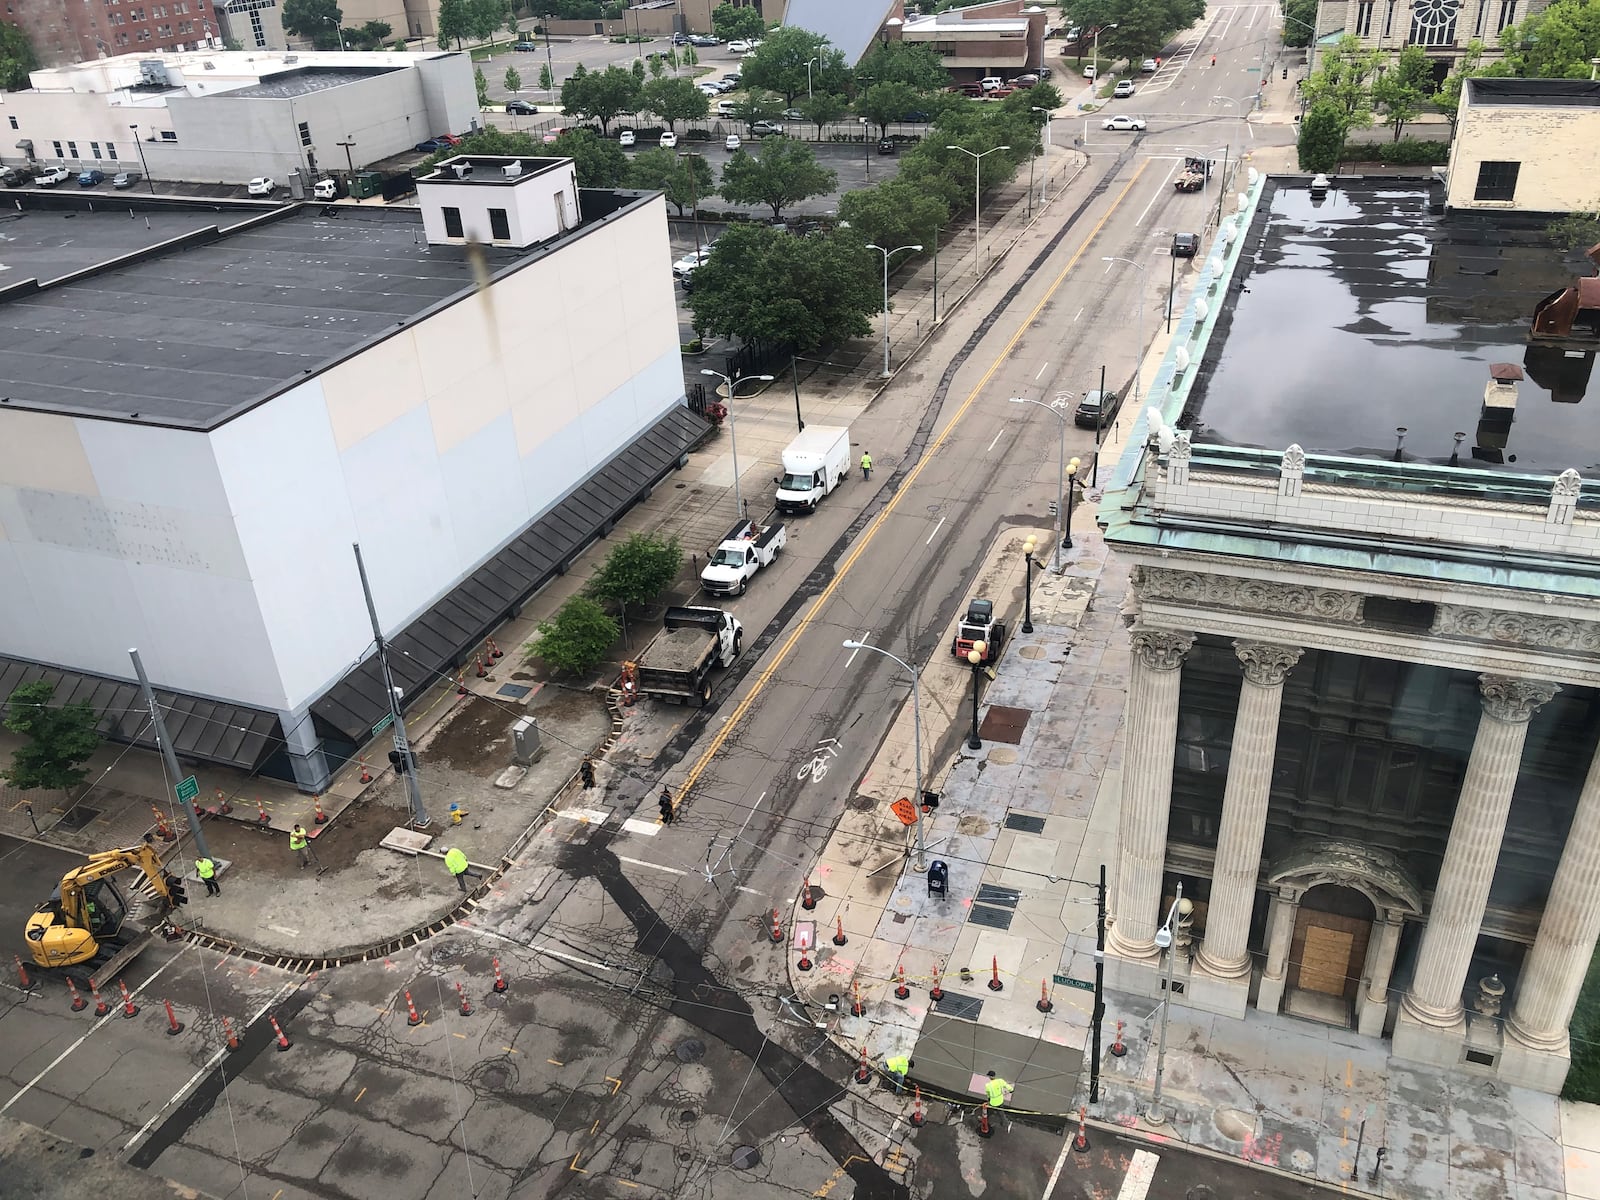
<point x="998" y="432"/>
<point x="1042" y="370"/>
<point x="588" y="962"/>
<point x="1165" y="184"/>
<point x="1061" y="1161"/>
<point x="100" y="1024"/>
<point x="284" y="930"/>
<point x="935" y="532"/>
<point x="747" y="891"/>
<point x="863" y="640"/>
<point x="648" y="828"/>
<point x="1141" y="1173"/>
<point x="639" y="862"/>
<point x="1075" y="319"/>
<point x="178" y="1095"/>
<point x="589" y="816"/>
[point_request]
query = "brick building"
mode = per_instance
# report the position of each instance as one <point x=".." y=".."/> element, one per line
<point x="1526" y="145"/>
<point x="66" y="31"/>
<point x="1003" y="38"/>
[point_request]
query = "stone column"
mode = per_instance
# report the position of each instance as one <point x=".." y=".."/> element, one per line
<point x="1150" y="744"/>
<point x="1433" y="1005"/>
<point x="1536" y="1050"/>
<point x="1222" y="981"/>
<point x="1372" y="1009"/>
<point x="1280" y="936"/>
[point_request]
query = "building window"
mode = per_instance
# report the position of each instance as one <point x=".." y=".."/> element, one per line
<point x="168" y="136"/>
<point x="1433" y="22"/>
<point x="111" y="150"/>
<point x="1480" y="17"/>
<point x="94" y="148"/>
<point x="14" y="124"/>
<point x="143" y="36"/>
<point x="57" y="145"/>
<point x="499" y="227"/>
<point x="72" y="149"/>
<point x="1497" y="181"/>
<point x="305" y="133"/>
<point x="1388" y="19"/>
<point x="452" y="222"/>
<point x="1508" y="13"/>
<point x="257" y="30"/>
<point x="1364" y="18"/>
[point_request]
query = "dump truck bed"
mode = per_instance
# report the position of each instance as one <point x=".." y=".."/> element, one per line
<point x="677" y="650"/>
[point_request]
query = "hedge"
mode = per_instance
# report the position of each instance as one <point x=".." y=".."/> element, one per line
<point x="1408" y="151"/>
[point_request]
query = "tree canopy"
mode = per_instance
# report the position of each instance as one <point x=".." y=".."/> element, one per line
<point x="914" y="64"/>
<point x="885" y="103"/>
<point x="576" y="639"/>
<point x="823" y="109"/>
<point x="730" y="23"/>
<point x="61" y="737"/>
<point x="1299" y="22"/>
<point x="1345" y="80"/>
<point x="894" y="213"/>
<point x="637" y="570"/>
<point x="1322" y="132"/>
<point x="779" y="64"/>
<point x="685" y="179"/>
<point x="673" y="100"/>
<point x="314" y="19"/>
<point x="765" y="286"/>
<point x="453" y="23"/>
<point x="783" y="171"/>
<point x="1143" y="27"/>
<point x="601" y="95"/>
<point x="1405" y="85"/>
<point x="16" y="58"/>
<point x="1556" y="43"/>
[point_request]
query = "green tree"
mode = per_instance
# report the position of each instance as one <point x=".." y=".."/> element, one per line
<point x="1299" y="22"/>
<point x="1345" y="80"/>
<point x="598" y="162"/>
<point x="782" y="172"/>
<point x="637" y="67"/>
<point x="370" y="36"/>
<point x="1576" y="231"/>
<point x="895" y="213"/>
<point x="1556" y="43"/>
<point x="765" y="286"/>
<point x="60" y="737"/>
<point x="454" y="21"/>
<point x="685" y="179"/>
<point x="484" y="17"/>
<point x="1322" y="133"/>
<point x="314" y="19"/>
<point x="1403" y="88"/>
<point x="885" y="103"/>
<point x="600" y="95"/>
<point x="513" y="80"/>
<point x="482" y="84"/>
<point x="1025" y="100"/>
<point x="779" y="64"/>
<point x="512" y="25"/>
<point x="823" y="109"/>
<point x="689" y="57"/>
<point x="637" y="570"/>
<point x="658" y="68"/>
<point x="730" y="23"/>
<point x="674" y="100"/>
<point x="577" y="638"/>
<point x="16" y="58"/>
<point x="547" y="81"/>
<point x="1143" y="27"/>
<point x="757" y="106"/>
<point x="915" y="64"/>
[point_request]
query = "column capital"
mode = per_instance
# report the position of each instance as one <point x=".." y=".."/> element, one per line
<point x="1267" y="664"/>
<point x="1160" y="650"/>
<point x="1514" y="700"/>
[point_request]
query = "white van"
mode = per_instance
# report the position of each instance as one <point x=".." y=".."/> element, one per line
<point x="813" y="465"/>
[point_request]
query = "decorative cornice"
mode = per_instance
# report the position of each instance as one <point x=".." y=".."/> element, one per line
<point x="1514" y="700"/>
<point x="1252" y="595"/>
<point x="1518" y="629"/>
<point x="1267" y="664"/>
<point x="1159" y="650"/>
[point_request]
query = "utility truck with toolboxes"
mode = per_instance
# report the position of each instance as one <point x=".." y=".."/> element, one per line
<point x="745" y="550"/>
<point x="693" y="642"/>
<point x="813" y="465"/>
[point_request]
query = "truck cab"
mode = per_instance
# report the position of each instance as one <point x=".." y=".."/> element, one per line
<point x="814" y="463"/>
<point x="747" y="548"/>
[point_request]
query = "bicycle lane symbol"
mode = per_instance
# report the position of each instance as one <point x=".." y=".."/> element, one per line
<point x="813" y="771"/>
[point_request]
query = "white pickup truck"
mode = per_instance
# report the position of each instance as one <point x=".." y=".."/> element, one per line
<point x="745" y="550"/>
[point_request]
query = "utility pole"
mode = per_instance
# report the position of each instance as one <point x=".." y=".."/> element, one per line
<point x="1097" y="1021"/>
<point x="349" y="159"/>
<point x="401" y="757"/>
<point x="173" y="770"/>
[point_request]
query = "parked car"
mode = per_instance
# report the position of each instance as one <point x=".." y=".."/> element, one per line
<point x="739" y="46"/>
<point x="731" y="142"/>
<point x="429" y="146"/>
<point x="1090" y="71"/>
<point x="669" y="140"/>
<point x="793" y="114"/>
<point x="725" y="107"/>
<point x="680" y="39"/>
<point x="885" y="146"/>
<point x="91" y="178"/>
<point x="15" y="176"/>
<point x="1123" y="123"/>
<point x="54" y="176"/>
<point x="700" y="39"/>
<point x="1185" y="245"/>
<point x="1074" y="33"/>
<point x="627" y="138"/>
<point x="709" y="88"/>
<point x="1042" y="72"/>
<point x="727" y="85"/>
<point x="526" y="47"/>
<point x="450" y="139"/>
<point x="260" y="186"/>
<point x="687" y="264"/>
<point x="916" y="117"/>
<point x="1149" y="66"/>
<point x="990" y="82"/>
<point x="521" y="108"/>
<point x="766" y="129"/>
<point x="325" y="189"/>
<point x="1123" y="89"/>
<point x="1026" y="80"/>
<point x="1096" y="407"/>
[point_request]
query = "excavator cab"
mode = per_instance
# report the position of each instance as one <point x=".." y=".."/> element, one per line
<point x="86" y="914"/>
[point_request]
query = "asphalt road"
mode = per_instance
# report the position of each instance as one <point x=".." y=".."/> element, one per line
<point x="644" y="1044"/>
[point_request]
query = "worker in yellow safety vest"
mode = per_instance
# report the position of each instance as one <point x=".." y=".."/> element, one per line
<point x="207" y="870"/>
<point x="998" y="1091"/>
<point x="898" y="1066"/>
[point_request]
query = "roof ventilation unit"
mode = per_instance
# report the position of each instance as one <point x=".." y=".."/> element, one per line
<point x="512" y="170"/>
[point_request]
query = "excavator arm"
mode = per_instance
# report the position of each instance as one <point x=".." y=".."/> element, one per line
<point x="68" y="928"/>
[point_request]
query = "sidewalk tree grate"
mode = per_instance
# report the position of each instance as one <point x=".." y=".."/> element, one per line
<point x="77" y="817"/>
<point x="515" y="690"/>
<point x="1023" y="823"/>
<point x="993" y="893"/>
<point x="993" y="918"/>
<point x="690" y="1051"/>
<point x="952" y="1004"/>
<point x="1004" y="724"/>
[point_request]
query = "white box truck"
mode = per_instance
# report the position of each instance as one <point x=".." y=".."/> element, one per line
<point x="813" y="465"/>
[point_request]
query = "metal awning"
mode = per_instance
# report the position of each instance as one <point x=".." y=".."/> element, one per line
<point x="436" y="643"/>
<point x="212" y="731"/>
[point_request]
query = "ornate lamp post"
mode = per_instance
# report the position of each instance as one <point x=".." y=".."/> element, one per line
<point x="975" y="657"/>
<point x="1028" y="547"/>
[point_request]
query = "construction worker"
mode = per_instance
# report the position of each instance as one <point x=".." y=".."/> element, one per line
<point x="1213" y="60"/>
<point x="898" y="1066"/>
<point x="586" y="772"/>
<point x="300" y="844"/>
<point x="665" y="804"/>
<point x="457" y="862"/>
<point x="630" y="685"/>
<point x="207" y="870"/>
<point x="866" y="464"/>
<point x="998" y="1090"/>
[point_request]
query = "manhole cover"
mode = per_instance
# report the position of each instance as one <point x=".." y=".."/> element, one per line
<point x="495" y="1078"/>
<point x="1199" y="1192"/>
<point x="495" y="1000"/>
<point x="690" y="1051"/>
<point x="77" y="817"/>
<point x="863" y="803"/>
<point x="444" y="952"/>
<point x="687" y="1116"/>
<point x="1031" y="651"/>
<point x="1003" y="723"/>
<point x="746" y="1157"/>
<point x="1303" y="1160"/>
<point x="1002" y="755"/>
<point x="1234" y="1124"/>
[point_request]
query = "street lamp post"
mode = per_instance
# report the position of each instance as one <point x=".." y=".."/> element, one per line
<point x="139" y="146"/>
<point x="1181" y="908"/>
<point x="920" y="862"/>
<point x="977" y="200"/>
<point x="866" y="150"/>
<point x="1098" y="31"/>
<point x="1222" y="189"/>
<point x="336" y="29"/>
<point x="1138" y="357"/>
<point x="738" y="502"/>
<point x="1058" y="410"/>
<point x="809" y="61"/>
<point x="1044" y="184"/>
<point x="1028" y="547"/>
<point x="1072" y="482"/>
<point x="886" y="254"/>
<point x="975" y="657"/>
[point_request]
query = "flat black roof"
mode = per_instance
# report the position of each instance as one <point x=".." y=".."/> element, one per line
<point x="302" y="81"/>
<point x="50" y="245"/>
<point x="1358" y="314"/>
<point x="1562" y="92"/>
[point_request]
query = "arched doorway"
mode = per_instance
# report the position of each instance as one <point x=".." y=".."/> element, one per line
<point x="1332" y="927"/>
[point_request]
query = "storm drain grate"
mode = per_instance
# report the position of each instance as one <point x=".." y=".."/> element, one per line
<point x="993" y="893"/>
<point x="952" y="1004"/>
<point x="1023" y="823"/>
<point x="515" y="690"/>
<point x="1004" y="724"/>
<point x="77" y="817"/>
<point x="994" y="918"/>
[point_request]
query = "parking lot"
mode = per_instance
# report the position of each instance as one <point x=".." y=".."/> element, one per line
<point x="595" y="53"/>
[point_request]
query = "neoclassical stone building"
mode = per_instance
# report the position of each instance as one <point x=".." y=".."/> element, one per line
<point x="1363" y="717"/>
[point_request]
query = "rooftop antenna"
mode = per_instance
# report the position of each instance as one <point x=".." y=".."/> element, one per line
<point x="1455" y="455"/>
<point x="1399" y="441"/>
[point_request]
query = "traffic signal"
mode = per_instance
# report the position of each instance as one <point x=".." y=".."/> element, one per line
<point x="400" y="761"/>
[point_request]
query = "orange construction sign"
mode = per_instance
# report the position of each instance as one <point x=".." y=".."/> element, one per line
<point x="905" y="810"/>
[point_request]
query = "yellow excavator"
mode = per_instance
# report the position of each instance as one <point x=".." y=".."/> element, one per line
<point x="86" y="920"/>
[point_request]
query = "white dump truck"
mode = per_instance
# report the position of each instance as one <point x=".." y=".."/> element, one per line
<point x="693" y="642"/>
<point x="745" y="550"/>
<point x="813" y="465"/>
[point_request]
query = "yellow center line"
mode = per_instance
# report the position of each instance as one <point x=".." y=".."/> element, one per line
<point x="765" y="677"/>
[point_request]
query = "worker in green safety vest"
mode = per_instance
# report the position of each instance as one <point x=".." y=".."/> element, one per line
<point x="998" y="1091"/>
<point x="300" y="844"/>
<point x="457" y="862"/>
<point x="207" y="870"/>
<point x="898" y="1066"/>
